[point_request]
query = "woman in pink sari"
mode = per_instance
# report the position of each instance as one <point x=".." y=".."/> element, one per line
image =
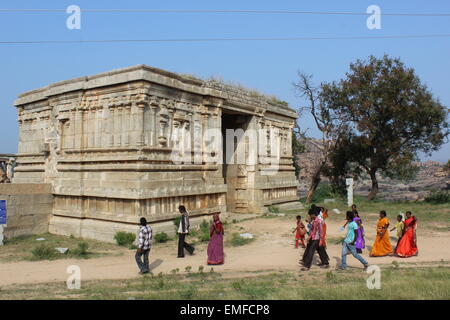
<point x="215" y="245"/>
<point x="407" y="245"/>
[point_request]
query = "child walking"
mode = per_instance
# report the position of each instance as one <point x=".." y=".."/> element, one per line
<point x="300" y="232"/>
<point x="399" y="227"/>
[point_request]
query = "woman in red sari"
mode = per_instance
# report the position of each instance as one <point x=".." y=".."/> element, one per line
<point x="407" y="245"/>
<point x="215" y="245"/>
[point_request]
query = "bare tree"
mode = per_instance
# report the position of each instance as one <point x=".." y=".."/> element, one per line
<point x="326" y="122"/>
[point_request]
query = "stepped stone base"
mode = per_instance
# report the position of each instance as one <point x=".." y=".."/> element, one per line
<point x="105" y="230"/>
<point x="292" y="205"/>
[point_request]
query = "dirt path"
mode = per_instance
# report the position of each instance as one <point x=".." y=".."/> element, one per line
<point x="272" y="250"/>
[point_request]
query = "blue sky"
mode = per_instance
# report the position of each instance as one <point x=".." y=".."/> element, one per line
<point x="269" y="66"/>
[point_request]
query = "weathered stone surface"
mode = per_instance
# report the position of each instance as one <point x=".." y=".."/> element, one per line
<point x="29" y="207"/>
<point x="106" y="144"/>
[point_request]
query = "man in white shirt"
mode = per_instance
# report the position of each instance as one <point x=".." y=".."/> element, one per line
<point x="183" y="230"/>
<point x="145" y="243"/>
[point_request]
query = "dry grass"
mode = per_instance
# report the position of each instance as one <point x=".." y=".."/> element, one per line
<point x="396" y="283"/>
<point x="20" y="248"/>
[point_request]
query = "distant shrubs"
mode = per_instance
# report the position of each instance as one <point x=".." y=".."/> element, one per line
<point x="124" y="239"/>
<point x="324" y="190"/>
<point x="438" y="196"/>
<point x="161" y="237"/>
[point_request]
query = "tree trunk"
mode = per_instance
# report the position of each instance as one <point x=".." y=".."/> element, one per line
<point x="314" y="183"/>
<point x="373" y="192"/>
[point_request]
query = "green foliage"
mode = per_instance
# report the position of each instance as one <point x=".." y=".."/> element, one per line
<point x="188" y="269"/>
<point x="438" y="196"/>
<point x="193" y="233"/>
<point x="204" y="226"/>
<point x="447" y="167"/>
<point x="237" y="240"/>
<point x="81" y="250"/>
<point x="44" y="252"/>
<point x="176" y="221"/>
<point x="297" y="148"/>
<point x="390" y="114"/>
<point x="161" y="237"/>
<point x="203" y="235"/>
<point x="273" y="209"/>
<point x="402" y="168"/>
<point x="324" y="191"/>
<point x="125" y="239"/>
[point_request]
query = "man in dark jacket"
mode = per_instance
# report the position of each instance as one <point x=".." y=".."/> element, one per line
<point x="183" y="230"/>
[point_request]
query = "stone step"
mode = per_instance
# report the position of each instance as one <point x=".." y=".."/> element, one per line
<point x="294" y="205"/>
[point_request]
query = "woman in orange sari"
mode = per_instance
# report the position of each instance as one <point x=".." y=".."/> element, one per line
<point x="382" y="246"/>
<point x="407" y="245"/>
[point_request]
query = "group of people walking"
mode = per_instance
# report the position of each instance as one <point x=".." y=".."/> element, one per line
<point x="406" y="234"/>
<point x="315" y="232"/>
<point x="354" y="242"/>
<point x="215" y="246"/>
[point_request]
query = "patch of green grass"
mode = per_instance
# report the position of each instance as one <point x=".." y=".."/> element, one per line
<point x="19" y="248"/>
<point x="43" y="252"/>
<point x="424" y="212"/>
<point x="396" y="283"/>
<point x="237" y="240"/>
<point x="81" y="251"/>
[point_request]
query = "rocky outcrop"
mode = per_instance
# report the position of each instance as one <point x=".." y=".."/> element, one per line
<point x="431" y="175"/>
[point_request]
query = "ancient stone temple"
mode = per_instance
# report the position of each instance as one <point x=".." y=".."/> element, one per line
<point x="110" y="147"/>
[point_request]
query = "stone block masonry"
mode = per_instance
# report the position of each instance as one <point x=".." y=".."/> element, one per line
<point x="105" y="144"/>
<point x="29" y="208"/>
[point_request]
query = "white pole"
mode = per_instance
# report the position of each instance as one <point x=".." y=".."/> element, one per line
<point x="349" y="183"/>
<point x="1" y="234"/>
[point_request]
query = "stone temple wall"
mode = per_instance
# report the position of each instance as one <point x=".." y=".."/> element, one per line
<point x="29" y="208"/>
<point x="107" y="143"/>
